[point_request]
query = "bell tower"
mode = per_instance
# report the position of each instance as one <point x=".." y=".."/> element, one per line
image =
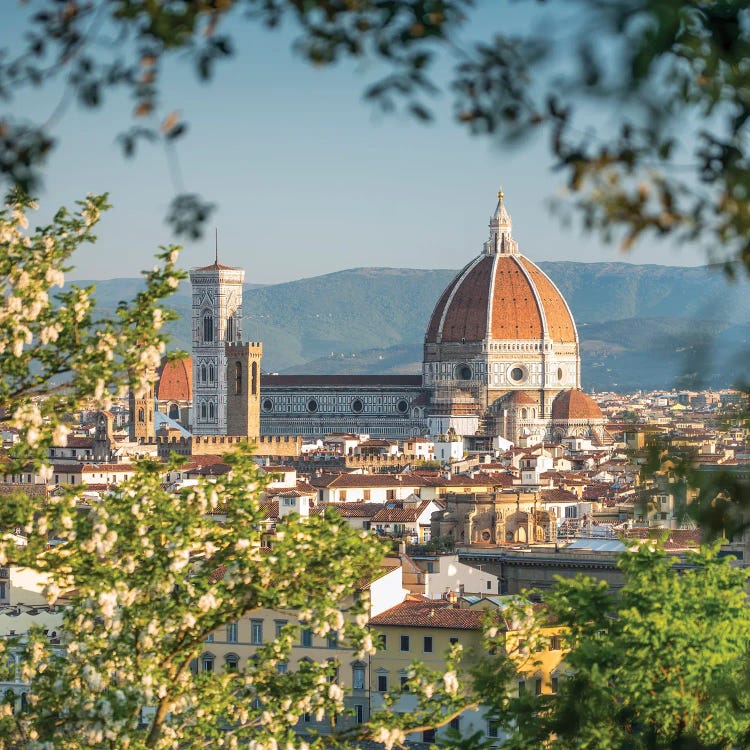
<point x="217" y="322"/>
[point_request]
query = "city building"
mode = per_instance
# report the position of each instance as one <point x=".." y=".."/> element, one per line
<point x="501" y="361"/>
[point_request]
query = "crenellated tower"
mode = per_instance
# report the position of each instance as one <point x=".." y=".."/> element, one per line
<point x="142" y="412"/>
<point x="243" y="389"/>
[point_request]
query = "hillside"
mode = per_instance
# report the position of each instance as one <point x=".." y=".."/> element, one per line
<point x="641" y="326"/>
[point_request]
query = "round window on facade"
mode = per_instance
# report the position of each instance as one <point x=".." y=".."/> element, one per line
<point x="517" y="374"/>
<point x="560" y="373"/>
<point x="463" y="372"/>
<point x="312" y="405"/>
<point x="402" y="406"/>
<point x="267" y="405"/>
<point x="357" y="406"/>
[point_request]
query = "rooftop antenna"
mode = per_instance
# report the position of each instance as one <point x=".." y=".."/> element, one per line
<point x="217" y="246"/>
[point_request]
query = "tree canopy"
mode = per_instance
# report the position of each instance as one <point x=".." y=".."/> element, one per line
<point x="644" y="102"/>
<point x="660" y="664"/>
<point x="143" y="574"/>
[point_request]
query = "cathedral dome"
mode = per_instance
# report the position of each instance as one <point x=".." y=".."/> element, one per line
<point x="575" y="404"/>
<point x="501" y="295"/>
<point x="175" y="380"/>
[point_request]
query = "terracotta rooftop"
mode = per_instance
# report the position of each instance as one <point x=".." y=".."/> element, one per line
<point x="430" y="614"/>
<point x="77" y="442"/>
<point x="216" y="266"/>
<point x="211" y="470"/>
<point x="559" y="496"/>
<point x="302" y="487"/>
<point x="677" y="539"/>
<point x="399" y="514"/>
<point x="352" y="510"/>
<point x="345" y="481"/>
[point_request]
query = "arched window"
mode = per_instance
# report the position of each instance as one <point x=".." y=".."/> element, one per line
<point x="203" y="409"/>
<point x="238" y="378"/>
<point x="208" y="327"/>
<point x="230" y="329"/>
<point x="203" y="373"/>
<point x="207" y="662"/>
<point x="141" y="415"/>
<point x="211" y="374"/>
<point x="255" y="379"/>
<point x="174" y="411"/>
<point x="211" y="410"/>
<point x="523" y="413"/>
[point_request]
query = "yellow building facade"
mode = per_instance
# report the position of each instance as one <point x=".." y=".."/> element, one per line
<point x="425" y="630"/>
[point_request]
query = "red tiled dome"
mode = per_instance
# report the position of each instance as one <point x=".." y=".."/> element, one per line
<point x="575" y="404"/>
<point x="176" y="380"/>
<point x="501" y="297"/>
<point x="519" y="398"/>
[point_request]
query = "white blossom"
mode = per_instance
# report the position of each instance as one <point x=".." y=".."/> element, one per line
<point x="54" y="277"/>
<point x="389" y="737"/>
<point x="207" y="601"/>
<point x="450" y="680"/>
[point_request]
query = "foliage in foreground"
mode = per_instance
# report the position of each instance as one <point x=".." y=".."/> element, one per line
<point x="145" y="574"/>
<point x="644" y="103"/>
<point x="662" y="664"/>
<point x="56" y="355"/>
<point x="149" y="575"/>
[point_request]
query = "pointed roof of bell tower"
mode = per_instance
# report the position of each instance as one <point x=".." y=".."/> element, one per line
<point x="501" y="240"/>
<point x="216" y="266"/>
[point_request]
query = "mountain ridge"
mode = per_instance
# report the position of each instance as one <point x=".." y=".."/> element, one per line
<point x="640" y="326"/>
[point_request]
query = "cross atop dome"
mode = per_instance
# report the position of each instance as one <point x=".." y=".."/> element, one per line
<point x="501" y="240"/>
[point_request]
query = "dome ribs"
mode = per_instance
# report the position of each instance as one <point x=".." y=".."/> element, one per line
<point x="502" y="298"/>
<point x="515" y="314"/>
<point x="433" y="328"/>
<point x="465" y="317"/>
<point x="561" y="327"/>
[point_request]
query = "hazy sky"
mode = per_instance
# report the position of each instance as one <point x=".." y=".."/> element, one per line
<point x="308" y="178"/>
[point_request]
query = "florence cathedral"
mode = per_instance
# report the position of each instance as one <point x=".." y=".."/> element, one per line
<point x="501" y="360"/>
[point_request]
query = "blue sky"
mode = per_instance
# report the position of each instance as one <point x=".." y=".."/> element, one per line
<point x="308" y="178"/>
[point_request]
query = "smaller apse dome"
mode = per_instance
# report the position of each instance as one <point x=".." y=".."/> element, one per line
<point x="518" y="398"/>
<point x="175" y="380"/>
<point x="575" y="404"/>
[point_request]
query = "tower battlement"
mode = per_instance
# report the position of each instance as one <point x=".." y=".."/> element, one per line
<point x="254" y="348"/>
<point x="200" y="445"/>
